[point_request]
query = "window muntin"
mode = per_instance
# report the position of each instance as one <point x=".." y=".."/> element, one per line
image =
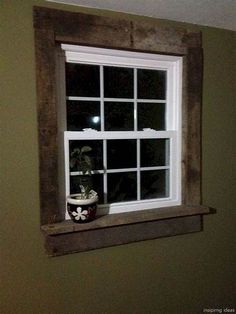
<point x="141" y="178"/>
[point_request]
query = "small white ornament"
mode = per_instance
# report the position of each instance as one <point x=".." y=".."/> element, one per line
<point x="80" y="214"/>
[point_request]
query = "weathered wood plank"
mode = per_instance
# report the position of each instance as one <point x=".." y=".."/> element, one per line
<point x="147" y="36"/>
<point x="108" y="221"/>
<point x="84" y="29"/>
<point x="80" y="28"/>
<point x="193" y="151"/>
<point x="117" y="235"/>
<point x="184" y="185"/>
<point x="47" y="124"/>
<point x="192" y="39"/>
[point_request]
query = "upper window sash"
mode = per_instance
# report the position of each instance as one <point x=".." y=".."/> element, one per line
<point x="171" y="64"/>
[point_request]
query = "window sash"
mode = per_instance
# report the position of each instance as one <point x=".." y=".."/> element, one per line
<point x="174" y="197"/>
<point x="136" y="60"/>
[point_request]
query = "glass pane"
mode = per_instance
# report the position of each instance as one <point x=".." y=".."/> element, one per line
<point x="118" y="82"/>
<point x="95" y="182"/>
<point x="151" y="116"/>
<point x="121" y="154"/>
<point x="82" y="80"/>
<point x="83" y="114"/>
<point x="151" y="84"/>
<point x="154" y="152"/>
<point x="95" y="155"/>
<point x="122" y="187"/>
<point x="154" y="184"/>
<point x="119" y="116"/>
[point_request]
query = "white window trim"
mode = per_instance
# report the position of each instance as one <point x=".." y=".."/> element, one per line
<point x="173" y="66"/>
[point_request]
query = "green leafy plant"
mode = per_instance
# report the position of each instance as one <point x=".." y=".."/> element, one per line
<point x="81" y="161"/>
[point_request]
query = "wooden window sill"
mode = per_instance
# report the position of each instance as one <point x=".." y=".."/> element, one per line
<point x="68" y="237"/>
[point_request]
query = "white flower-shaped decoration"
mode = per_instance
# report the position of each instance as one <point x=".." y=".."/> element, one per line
<point x="80" y="214"/>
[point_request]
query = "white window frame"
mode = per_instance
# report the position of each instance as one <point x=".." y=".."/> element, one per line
<point x="173" y="66"/>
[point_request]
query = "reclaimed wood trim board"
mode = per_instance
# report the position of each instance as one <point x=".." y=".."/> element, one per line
<point x="53" y="27"/>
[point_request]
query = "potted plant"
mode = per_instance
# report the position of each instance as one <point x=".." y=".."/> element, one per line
<point x="82" y="206"/>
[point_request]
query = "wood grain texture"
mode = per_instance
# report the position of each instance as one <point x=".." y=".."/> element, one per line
<point x="193" y="141"/>
<point x="47" y="124"/>
<point x="149" y="37"/>
<point x="128" y="218"/>
<point x="100" y="238"/>
<point x="53" y="27"/>
<point x="84" y="29"/>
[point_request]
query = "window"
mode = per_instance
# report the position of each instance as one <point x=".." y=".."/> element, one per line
<point x="126" y="107"/>
<point x="173" y="148"/>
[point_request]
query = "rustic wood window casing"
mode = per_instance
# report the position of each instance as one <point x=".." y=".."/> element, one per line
<point x="53" y="27"/>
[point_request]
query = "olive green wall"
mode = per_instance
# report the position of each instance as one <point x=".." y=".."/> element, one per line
<point x="182" y="274"/>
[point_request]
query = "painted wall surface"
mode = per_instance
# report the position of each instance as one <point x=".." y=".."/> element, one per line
<point x="182" y="274"/>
